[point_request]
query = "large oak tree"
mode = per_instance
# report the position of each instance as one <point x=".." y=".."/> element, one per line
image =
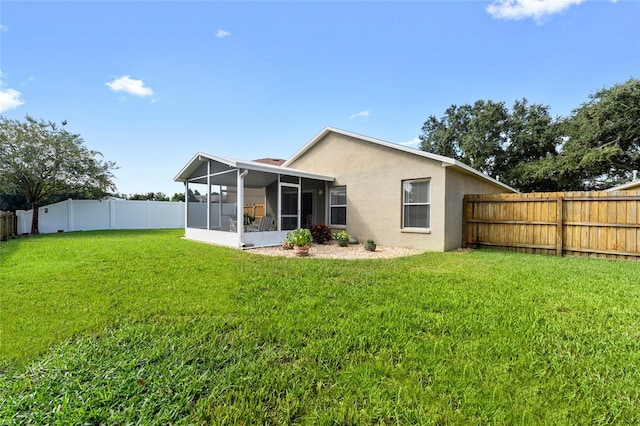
<point x="596" y="147"/>
<point x="493" y="139"/>
<point x="601" y="144"/>
<point x="41" y="160"/>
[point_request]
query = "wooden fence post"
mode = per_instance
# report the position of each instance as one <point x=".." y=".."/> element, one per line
<point x="559" y="224"/>
<point x="7" y="225"/>
<point x="3" y="221"/>
<point x="594" y="224"/>
<point x="465" y="231"/>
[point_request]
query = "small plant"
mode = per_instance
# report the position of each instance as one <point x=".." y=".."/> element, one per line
<point x="342" y="238"/>
<point x="370" y="245"/>
<point x="320" y="233"/>
<point x="299" y="237"/>
<point x="286" y="245"/>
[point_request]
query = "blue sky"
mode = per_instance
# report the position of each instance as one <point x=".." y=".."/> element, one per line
<point x="150" y="83"/>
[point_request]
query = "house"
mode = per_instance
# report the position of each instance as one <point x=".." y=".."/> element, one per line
<point x="374" y="189"/>
<point x="634" y="185"/>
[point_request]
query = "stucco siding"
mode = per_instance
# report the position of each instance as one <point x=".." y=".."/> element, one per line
<point x="373" y="175"/>
<point x="458" y="184"/>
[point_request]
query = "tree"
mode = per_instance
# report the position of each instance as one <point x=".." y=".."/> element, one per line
<point x="532" y="135"/>
<point x="13" y="202"/>
<point x="601" y="141"/>
<point x="494" y="140"/>
<point x="39" y="160"/>
<point x="150" y="196"/>
<point x="160" y="196"/>
<point x="472" y="134"/>
<point x="193" y="196"/>
<point x="178" y="196"/>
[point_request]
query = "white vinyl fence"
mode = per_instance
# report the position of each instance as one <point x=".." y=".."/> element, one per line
<point x="90" y="215"/>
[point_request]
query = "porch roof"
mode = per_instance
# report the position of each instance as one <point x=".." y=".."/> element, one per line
<point x="260" y="175"/>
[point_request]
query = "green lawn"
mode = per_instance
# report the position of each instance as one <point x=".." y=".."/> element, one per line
<point x="122" y="327"/>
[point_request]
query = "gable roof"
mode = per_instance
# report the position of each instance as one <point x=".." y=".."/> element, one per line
<point x="446" y="161"/>
<point x="272" y="161"/>
<point x="635" y="184"/>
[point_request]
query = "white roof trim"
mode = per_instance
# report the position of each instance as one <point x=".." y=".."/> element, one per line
<point x="446" y="161"/>
<point x="250" y="165"/>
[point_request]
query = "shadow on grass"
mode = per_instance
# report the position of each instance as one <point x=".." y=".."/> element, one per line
<point x="8" y="248"/>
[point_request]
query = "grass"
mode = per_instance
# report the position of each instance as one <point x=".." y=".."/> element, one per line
<point x="143" y="327"/>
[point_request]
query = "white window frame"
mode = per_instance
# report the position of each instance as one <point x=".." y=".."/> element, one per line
<point x="405" y="203"/>
<point x="331" y="206"/>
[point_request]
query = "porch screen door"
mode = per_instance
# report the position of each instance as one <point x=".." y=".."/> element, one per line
<point x="289" y="206"/>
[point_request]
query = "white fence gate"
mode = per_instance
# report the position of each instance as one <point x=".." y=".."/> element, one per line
<point x="91" y="215"/>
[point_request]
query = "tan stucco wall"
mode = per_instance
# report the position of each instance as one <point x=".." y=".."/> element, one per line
<point x="373" y="175"/>
<point x="254" y="195"/>
<point x="458" y="184"/>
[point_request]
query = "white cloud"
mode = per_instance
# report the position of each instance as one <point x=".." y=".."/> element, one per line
<point x="128" y="85"/>
<point x="3" y="28"/>
<point x="413" y="143"/>
<point x="522" y="9"/>
<point x="363" y="114"/>
<point x="222" y="33"/>
<point x="9" y="98"/>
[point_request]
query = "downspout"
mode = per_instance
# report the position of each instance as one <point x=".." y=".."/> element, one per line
<point x="240" y="207"/>
<point x="209" y="195"/>
<point x="186" y="205"/>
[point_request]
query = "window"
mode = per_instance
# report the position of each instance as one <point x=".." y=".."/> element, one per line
<point x="416" y="204"/>
<point x="338" y="205"/>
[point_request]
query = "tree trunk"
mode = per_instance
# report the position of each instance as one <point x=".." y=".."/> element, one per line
<point x="34" y="219"/>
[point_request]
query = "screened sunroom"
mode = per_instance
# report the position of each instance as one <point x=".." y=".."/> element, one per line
<point x="217" y="189"/>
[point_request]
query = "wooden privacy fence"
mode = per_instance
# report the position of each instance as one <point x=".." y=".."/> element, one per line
<point x="593" y="224"/>
<point x="255" y="210"/>
<point x="8" y="225"/>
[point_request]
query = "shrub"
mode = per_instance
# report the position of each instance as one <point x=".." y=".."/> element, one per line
<point x="342" y="236"/>
<point x="299" y="237"/>
<point x="320" y="233"/>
